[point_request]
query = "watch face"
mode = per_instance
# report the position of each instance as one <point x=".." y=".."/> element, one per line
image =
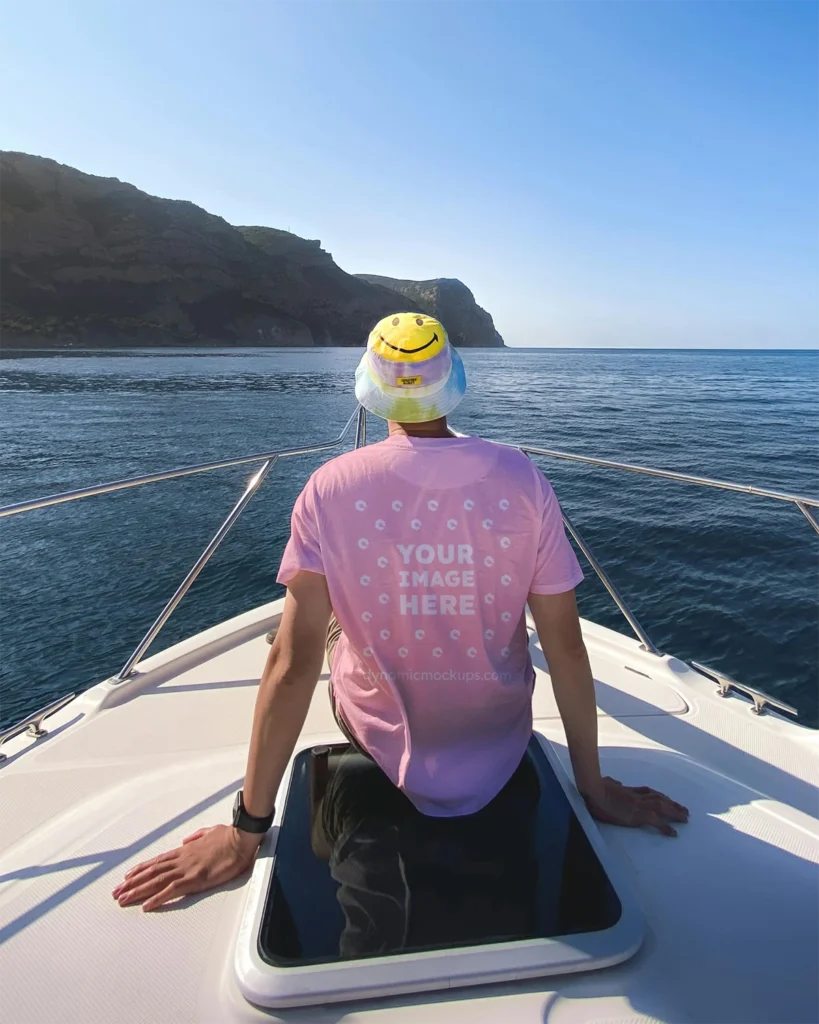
<point x="237" y="806"/>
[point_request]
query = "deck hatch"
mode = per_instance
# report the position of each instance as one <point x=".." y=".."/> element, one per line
<point x="364" y="896"/>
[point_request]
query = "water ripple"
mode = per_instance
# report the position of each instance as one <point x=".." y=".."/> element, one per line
<point x="728" y="579"/>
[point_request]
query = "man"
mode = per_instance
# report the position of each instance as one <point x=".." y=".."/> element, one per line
<point x="427" y="548"/>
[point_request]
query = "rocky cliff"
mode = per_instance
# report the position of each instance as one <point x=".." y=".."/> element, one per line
<point x="95" y="262"/>
<point x="451" y="302"/>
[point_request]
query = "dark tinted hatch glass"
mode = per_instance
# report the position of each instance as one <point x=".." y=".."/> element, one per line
<point x="359" y="872"/>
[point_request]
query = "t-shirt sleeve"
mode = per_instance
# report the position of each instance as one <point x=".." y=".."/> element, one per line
<point x="556" y="567"/>
<point x="303" y="550"/>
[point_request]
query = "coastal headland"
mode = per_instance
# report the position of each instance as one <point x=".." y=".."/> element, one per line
<point x="92" y="262"/>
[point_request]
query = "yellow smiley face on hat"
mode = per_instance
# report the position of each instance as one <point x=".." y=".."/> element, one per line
<point x="407" y="338"/>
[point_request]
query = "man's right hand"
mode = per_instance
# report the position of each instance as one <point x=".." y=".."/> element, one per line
<point x="206" y="859"/>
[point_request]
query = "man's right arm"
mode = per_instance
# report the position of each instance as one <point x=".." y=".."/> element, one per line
<point x="213" y="856"/>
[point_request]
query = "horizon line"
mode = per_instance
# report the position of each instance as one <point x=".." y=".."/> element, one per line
<point x="60" y="350"/>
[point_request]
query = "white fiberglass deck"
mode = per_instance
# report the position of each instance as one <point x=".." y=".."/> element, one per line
<point x="731" y="907"/>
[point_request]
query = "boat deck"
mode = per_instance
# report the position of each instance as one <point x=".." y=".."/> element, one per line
<point x="731" y="907"/>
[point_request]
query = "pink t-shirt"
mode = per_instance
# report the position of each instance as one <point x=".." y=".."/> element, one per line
<point x="430" y="547"/>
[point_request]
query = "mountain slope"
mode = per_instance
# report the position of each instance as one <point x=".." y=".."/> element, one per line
<point x="91" y="261"/>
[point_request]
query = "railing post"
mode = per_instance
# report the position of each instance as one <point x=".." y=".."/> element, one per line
<point x="615" y="593"/>
<point x="32" y="725"/>
<point x="806" y="512"/>
<point x="252" y="486"/>
<point x="361" y="427"/>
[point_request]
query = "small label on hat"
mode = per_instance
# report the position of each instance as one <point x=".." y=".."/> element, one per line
<point x="409" y="382"/>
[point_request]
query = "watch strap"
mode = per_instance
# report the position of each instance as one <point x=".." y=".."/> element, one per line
<point x="246" y="822"/>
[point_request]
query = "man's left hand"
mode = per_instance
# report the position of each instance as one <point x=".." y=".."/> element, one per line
<point x="634" y="806"/>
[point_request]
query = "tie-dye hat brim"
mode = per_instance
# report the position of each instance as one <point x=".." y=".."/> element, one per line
<point x="410" y="373"/>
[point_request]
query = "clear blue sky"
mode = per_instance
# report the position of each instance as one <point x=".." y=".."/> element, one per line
<point x="614" y="173"/>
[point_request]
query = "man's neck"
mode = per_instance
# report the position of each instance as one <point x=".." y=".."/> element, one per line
<point x="434" y="428"/>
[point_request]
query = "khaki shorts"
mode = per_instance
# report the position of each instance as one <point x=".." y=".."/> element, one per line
<point x="334" y="632"/>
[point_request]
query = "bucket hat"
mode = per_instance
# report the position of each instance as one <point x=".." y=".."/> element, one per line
<point x="410" y="373"/>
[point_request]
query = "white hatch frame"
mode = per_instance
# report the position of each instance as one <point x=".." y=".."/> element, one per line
<point x="264" y="984"/>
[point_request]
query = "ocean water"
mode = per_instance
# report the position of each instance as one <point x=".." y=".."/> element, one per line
<point x="730" y="580"/>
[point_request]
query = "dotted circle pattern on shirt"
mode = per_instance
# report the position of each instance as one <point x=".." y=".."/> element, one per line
<point x="452" y="524"/>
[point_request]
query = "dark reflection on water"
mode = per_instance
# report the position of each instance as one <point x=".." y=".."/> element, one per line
<point x="728" y="579"/>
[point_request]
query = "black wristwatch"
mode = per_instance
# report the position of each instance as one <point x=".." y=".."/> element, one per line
<point x="246" y="822"/>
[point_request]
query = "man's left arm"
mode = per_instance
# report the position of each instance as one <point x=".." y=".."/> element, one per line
<point x="558" y="628"/>
<point x="215" y="855"/>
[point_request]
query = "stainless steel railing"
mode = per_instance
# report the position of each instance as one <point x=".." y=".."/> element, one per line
<point x="33" y="724"/>
<point x="269" y="460"/>
<point x="760" y="699"/>
<point x="802" y="503"/>
<point x="616" y="596"/>
<point x="253" y="485"/>
<point x="172" y="474"/>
